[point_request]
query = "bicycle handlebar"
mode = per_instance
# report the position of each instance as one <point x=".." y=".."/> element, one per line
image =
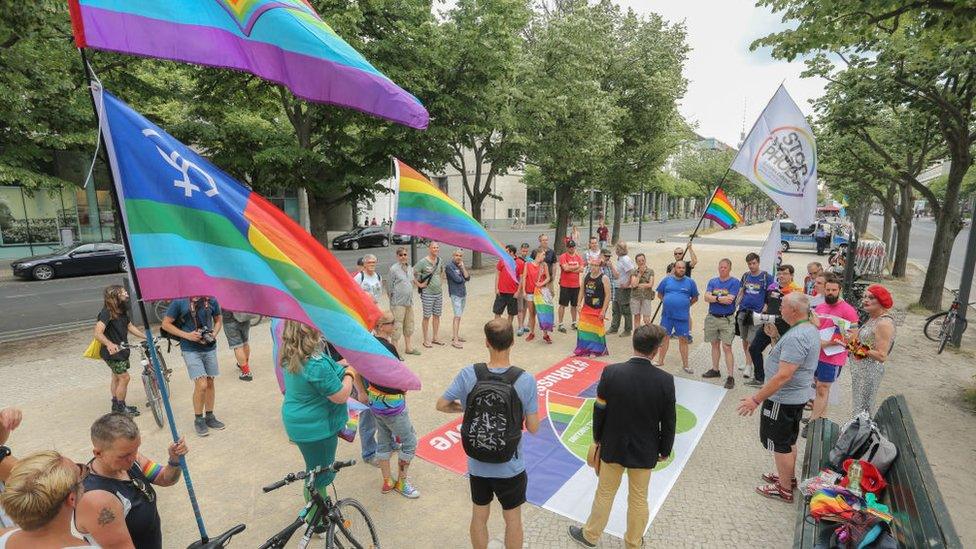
<point x="301" y="475"/>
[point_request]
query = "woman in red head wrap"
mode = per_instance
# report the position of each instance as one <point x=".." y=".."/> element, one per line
<point x="877" y="338"/>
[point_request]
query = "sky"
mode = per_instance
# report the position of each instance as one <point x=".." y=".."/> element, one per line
<point x="725" y="79"/>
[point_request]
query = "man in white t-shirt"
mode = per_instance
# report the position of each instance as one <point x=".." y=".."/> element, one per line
<point x="368" y="279"/>
<point x="621" y="299"/>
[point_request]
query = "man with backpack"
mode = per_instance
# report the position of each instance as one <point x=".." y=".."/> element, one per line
<point x="751" y="299"/>
<point x="196" y="322"/>
<point x="368" y="279"/>
<point x="496" y="399"/>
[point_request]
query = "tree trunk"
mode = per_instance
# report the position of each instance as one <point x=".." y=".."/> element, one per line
<point x="318" y="217"/>
<point x="948" y="223"/>
<point x="905" y="215"/>
<point x="476" y="201"/>
<point x="615" y="233"/>
<point x="888" y="216"/>
<point x="564" y="205"/>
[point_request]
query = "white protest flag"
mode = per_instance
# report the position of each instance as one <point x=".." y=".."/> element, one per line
<point x="780" y="157"/>
<point x="770" y="250"/>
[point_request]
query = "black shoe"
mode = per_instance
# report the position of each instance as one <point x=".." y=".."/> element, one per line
<point x="562" y="329"/>
<point x="730" y="383"/>
<point x="625" y="333"/>
<point x="214" y="423"/>
<point x="245" y="376"/>
<point x="712" y="373"/>
<point x="612" y="330"/>
<point x="131" y="410"/>
<point x="755" y="383"/>
<point x="575" y="327"/>
<point x="576" y="533"/>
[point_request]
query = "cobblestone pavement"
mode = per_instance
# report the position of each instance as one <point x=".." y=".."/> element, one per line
<point x="711" y="505"/>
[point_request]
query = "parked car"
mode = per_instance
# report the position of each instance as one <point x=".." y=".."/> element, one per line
<point x="80" y="259"/>
<point x="795" y="238"/>
<point x="362" y="237"/>
<point x="407" y="239"/>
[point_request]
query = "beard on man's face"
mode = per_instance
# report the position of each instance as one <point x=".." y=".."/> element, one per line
<point x="831" y="299"/>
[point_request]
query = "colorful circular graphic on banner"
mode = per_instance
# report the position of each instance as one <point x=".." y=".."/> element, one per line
<point x="786" y="162"/>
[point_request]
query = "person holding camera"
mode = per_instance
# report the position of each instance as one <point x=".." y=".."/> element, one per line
<point x="197" y="321"/>
<point x="772" y="328"/>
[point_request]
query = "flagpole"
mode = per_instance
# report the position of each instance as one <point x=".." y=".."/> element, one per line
<point x="134" y="279"/>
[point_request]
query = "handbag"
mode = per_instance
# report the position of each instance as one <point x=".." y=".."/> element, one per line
<point x="593" y="457"/>
<point x="94" y="350"/>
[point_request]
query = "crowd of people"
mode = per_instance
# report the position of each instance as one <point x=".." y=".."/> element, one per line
<point x="813" y="333"/>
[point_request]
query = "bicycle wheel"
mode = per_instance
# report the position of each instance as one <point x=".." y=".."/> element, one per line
<point x="355" y="530"/>
<point x="933" y="326"/>
<point x="154" y="398"/>
<point x="949" y="329"/>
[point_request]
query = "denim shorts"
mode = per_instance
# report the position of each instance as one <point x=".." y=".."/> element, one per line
<point x="236" y="332"/>
<point x="398" y="426"/>
<point x="201" y="363"/>
<point x="457" y="302"/>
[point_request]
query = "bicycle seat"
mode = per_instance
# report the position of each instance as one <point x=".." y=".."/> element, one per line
<point x="220" y="541"/>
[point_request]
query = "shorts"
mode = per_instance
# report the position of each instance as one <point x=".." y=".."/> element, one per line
<point x="399" y="426"/>
<point x="643" y="307"/>
<point x="747" y="330"/>
<point x="236" y="332"/>
<point x="509" y="491"/>
<point x="431" y="304"/>
<point x="118" y="367"/>
<point x="568" y="296"/>
<point x="826" y="373"/>
<point x="402" y="321"/>
<point x="457" y="303"/>
<point x="674" y="327"/>
<point x="779" y="425"/>
<point x="720" y="329"/>
<point x="201" y="363"/>
<point x="506" y="302"/>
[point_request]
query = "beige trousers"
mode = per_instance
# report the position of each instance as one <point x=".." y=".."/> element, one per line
<point x="638" y="481"/>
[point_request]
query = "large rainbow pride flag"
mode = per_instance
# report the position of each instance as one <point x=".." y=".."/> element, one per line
<point x="426" y="211"/>
<point x="193" y="230"/>
<point x="720" y="211"/>
<point x="284" y="41"/>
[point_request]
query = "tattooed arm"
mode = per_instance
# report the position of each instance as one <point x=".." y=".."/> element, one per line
<point x="100" y="515"/>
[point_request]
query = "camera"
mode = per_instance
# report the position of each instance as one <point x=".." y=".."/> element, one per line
<point x="759" y="319"/>
<point x="207" y="337"/>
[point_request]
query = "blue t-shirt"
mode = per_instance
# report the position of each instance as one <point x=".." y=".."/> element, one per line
<point x="754" y="291"/>
<point x="677" y="296"/>
<point x="526" y="388"/>
<point x="179" y="311"/>
<point x="718" y="288"/>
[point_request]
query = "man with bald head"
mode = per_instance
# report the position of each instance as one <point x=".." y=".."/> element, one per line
<point x="789" y="380"/>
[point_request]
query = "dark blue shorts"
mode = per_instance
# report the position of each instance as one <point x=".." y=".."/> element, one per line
<point x="826" y="373"/>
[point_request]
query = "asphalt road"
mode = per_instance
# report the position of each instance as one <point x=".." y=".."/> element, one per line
<point x="35" y="308"/>
<point x="920" y="247"/>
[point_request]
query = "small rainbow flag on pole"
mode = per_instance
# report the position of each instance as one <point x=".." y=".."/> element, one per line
<point x="284" y="41"/>
<point x="193" y="230"/>
<point x="720" y="211"/>
<point x="424" y="210"/>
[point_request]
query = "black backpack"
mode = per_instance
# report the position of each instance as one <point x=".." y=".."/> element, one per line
<point x="493" y="416"/>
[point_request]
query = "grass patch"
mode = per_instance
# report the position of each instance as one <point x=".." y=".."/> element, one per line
<point x="710" y="230"/>
<point x="919" y="309"/>
<point x="969" y="398"/>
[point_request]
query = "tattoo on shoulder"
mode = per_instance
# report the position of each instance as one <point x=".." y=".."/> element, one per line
<point x="105" y="516"/>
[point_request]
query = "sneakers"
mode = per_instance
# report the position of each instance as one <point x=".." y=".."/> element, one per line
<point x="200" y="426"/>
<point x="521" y="332"/>
<point x="131" y="410"/>
<point x="712" y="373"/>
<point x="530" y="337"/>
<point x="388" y="486"/>
<point x="612" y="330"/>
<point x="245" y="374"/>
<point x="213" y="423"/>
<point x="730" y="383"/>
<point x="562" y="329"/>
<point x="576" y="533"/>
<point x="625" y="333"/>
<point x="405" y="489"/>
<point x="754" y="383"/>
<point x="546" y="338"/>
<point x="575" y="327"/>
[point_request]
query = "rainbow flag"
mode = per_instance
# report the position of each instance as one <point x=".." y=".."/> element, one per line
<point x="353" y="408"/>
<point x="720" y="211"/>
<point x="543" y="308"/>
<point x="562" y="409"/>
<point x="284" y="41"/>
<point x="193" y="230"/>
<point x="424" y="210"/>
<point x="591" y="334"/>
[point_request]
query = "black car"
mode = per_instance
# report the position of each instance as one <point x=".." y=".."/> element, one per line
<point x="362" y="237"/>
<point x="407" y="239"/>
<point x="80" y="259"/>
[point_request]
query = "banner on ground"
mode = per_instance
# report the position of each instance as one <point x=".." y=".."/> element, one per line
<point x="780" y="157"/>
<point x="555" y="457"/>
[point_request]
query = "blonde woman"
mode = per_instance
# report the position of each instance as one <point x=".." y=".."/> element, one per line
<point x="316" y="390"/>
<point x="41" y="496"/>
<point x="112" y="328"/>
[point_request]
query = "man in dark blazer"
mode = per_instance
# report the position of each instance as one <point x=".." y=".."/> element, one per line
<point x="634" y="424"/>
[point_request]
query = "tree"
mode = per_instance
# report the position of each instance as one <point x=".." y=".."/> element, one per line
<point x="480" y="49"/>
<point x="923" y="55"/>
<point x="566" y="116"/>
<point x="644" y="76"/>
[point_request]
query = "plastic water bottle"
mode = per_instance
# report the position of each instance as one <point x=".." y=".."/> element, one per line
<point x="854" y="478"/>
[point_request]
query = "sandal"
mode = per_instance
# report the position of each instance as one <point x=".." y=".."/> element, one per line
<point x="413" y="352"/>
<point x="435" y="342"/>
<point x="428" y="345"/>
<point x="773" y="478"/>
<point x="456" y="345"/>
<point x="688" y="370"/>
<point x="773" y="491"/>
<point x="462" y="340"/>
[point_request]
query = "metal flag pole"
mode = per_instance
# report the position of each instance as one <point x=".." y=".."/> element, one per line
<point x="134" y="281"/>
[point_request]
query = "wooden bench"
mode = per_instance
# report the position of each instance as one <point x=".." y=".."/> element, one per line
<point x="912" y="495"/>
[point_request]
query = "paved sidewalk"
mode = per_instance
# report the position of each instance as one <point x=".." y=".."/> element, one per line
<point x="712" y="504"/>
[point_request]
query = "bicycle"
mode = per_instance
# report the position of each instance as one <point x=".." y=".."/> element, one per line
<point x="153" y="393"/>
<point x="941" y="327"/>
<point x="338" y="521"/>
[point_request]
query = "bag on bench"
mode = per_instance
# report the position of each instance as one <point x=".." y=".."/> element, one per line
<point x="860" y="439"/>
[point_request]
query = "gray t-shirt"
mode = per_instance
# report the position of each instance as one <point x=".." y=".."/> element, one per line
<point x="400" y="285"/>
<point x="800" y="345"/>
<point x="426" y="267"/>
